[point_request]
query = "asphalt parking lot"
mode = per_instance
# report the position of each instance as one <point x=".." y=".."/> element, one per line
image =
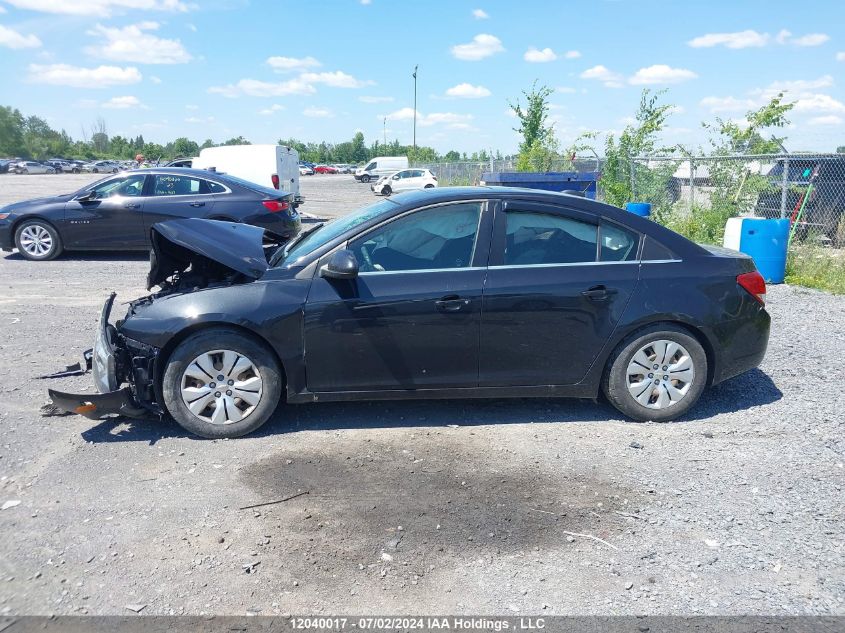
<point x="511" y="507"/>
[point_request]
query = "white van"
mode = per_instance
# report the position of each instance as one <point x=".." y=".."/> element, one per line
<point x="274" y="166"/>
<point x="381" y="166"/>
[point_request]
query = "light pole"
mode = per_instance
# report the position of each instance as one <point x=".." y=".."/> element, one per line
<point x="415" y="109"/>
<point x="385" y="131"/>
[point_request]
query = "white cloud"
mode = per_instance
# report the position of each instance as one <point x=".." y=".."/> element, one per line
<point x="727" y="104"/>
<point x="539" y="56"/>
<point x="122" y="103"/>
<point x="2" y="9"/>
<point x="818" y="103"/>
<point x="449" y="119"/>
<point x="12" y="39"/>
<point x="565" y="90"/>
<point x="830" y="119"/>
<point x="572" y="54"/>
<point x="661" y="74"/>
<point x="366" y="2"/>
<point x="133" y="43"/>
<point x="811" y="39"/>
<point x="100" y="8"/>
<point x="794" y="86"/>
<point x="605" y="75"/>
<point x="318" y="113"/>
<point x="480" y="14"/>
<point x="482" y="45"/>
<point x="289" y="64"/>
<point x="739" y="39"/>
<point x="256" y="88"/>
<point x="783" y="36"/>
<point x="271" y="110"/>
<point x="373" y="99"/>
<point x="78" y="77"/>
<point x="335" y="79"/>
<point x="468" y="91"/>
<point x="840" y="57"/>
<point x="194" y="119"/>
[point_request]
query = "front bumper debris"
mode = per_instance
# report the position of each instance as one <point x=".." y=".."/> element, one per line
<point x="96" y="406"/>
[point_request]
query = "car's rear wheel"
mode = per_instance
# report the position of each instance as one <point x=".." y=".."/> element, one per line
<point x="429" y="186"/>
<point x="38" y="240"/>
<point x="220" y="383"/>
<point x="656" y="374"/>
<point x="365" y="178"/>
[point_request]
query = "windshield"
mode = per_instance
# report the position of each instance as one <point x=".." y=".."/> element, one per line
<point x="329" y="231"/>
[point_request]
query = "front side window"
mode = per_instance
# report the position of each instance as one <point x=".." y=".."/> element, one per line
<point x="370" y="167"/>
<point x="167" y="185"/>
<point x="440" y="237"/>
<point x="545" y="238"/>
<point x="132" y="186"/>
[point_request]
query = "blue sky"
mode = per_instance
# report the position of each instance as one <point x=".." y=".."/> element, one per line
<point x="323" y="70"/>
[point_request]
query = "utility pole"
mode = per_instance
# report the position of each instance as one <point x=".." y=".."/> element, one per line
<point x="415" y="109"/>
<point x="385" y="131"/>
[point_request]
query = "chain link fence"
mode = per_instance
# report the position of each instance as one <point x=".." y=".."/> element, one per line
<point x="807" y="189"/>
<point x="467" y="173"/>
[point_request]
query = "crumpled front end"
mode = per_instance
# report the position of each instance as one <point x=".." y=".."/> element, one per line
<point x="115" y="360"/>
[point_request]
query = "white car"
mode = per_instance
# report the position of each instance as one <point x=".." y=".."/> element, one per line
<point x="102" y="167"/>
<point x="31" y="167"/>
<point x="305" y="170"/>
<point x="405" y="180"/>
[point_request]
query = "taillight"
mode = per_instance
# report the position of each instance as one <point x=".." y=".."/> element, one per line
<point x="753" y="284"/>
<point x="275" y="179"/>
<point x="274" y="206"/>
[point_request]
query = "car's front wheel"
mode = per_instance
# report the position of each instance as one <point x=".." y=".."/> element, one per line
<point x="220" y="383"/>
<point x="386" y="190"/>
<point x="38" y="240"/>
<point x="365" y="178"/>
<point x="657" y="374"/>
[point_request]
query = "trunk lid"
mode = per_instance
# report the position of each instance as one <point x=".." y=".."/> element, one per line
<point x="206" y="251"/>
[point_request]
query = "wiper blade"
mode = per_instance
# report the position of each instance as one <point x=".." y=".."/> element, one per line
<point x="284" y="251"/>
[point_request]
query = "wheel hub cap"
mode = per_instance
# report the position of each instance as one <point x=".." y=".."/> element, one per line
<point x="659" y="391"/>
<point x="36" y="240"/>
<point x="201" y="392"/>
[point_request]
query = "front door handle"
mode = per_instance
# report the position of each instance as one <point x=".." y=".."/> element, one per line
<point x="198" y="204"/>
<point x="452" y="303"/>
<point x="132" y="205"/>
<point x="598" y="293"/>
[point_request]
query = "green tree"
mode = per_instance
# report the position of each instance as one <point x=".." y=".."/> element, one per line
<point x="11" y="132"/>
<point x="840" y="149"/>
<point x="452" y="156"/>
<point x="183" y="147"/>
<point x="533" y="117"/>
<point x="238" y="140"/>
<point x="730" y="137"/>
<point x="207" y="143"/>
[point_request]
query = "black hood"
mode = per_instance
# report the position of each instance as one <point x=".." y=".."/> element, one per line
<point x="207" y="247"/>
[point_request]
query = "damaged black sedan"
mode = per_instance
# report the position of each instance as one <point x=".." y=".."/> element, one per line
<point x="448" y="293"/>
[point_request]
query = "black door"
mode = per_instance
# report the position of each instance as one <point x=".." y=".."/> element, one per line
<point x="177" y="196"/>
<point x="557" y="285"/>
<point x="110" y="219"/>
<point x="411" y="318"/>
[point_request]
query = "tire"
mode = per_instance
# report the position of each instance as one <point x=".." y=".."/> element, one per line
<point x="656" y="398"/>
<point x="365" y="179"/>
<point x="38" y="240"/>
<point x="386" y="190"/>
<point x="75" y="170"/>
<point x="95" y="170"/>
<point x="24" y="171"/>
<point x="219" y="345"/>
<point x="429" y="186"/>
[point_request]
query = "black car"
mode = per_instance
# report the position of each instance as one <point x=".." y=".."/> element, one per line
<point x="116" y="213"/>
<point x="442" y="293"/>
<point x="817" y="184"/>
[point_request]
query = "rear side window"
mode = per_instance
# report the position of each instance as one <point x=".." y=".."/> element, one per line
<point x="545" y="238"/>
<point x="215" y="187"/>
<point x="166" y="185"/>
<point x="617" y="244"/>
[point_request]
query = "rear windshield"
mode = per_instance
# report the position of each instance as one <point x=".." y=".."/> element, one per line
<point x="267" y="191"/>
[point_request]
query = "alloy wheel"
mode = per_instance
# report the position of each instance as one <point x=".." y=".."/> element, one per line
<point x="660" y="374"/>
<point x="36" y="240"/>
<point x="221" y="387"/>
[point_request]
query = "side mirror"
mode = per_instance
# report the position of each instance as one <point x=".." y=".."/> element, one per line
<point x="396" y="177"/>
<point x="88" y="196"/>
<point x="340" y="265"/>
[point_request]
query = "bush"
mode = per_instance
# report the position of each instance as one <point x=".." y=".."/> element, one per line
<point x="816" y="267"/>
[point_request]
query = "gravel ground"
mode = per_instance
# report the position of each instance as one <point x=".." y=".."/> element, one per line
<point x="522" y="506"/>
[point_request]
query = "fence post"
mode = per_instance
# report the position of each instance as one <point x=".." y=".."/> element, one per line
<point x="691" y="183"/>
<point x="783" y="187"/>
<point x="633" y="180"/>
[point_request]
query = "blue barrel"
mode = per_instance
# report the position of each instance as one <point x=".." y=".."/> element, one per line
<point x="764" y="240"/>
<point x="642" y="209"/>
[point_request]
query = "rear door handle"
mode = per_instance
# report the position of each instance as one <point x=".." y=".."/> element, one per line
<point x="452" y="303"/>
<point x="198" y="204"/>
<point x="598" y="293"/>
<point x="132" y="205"/>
